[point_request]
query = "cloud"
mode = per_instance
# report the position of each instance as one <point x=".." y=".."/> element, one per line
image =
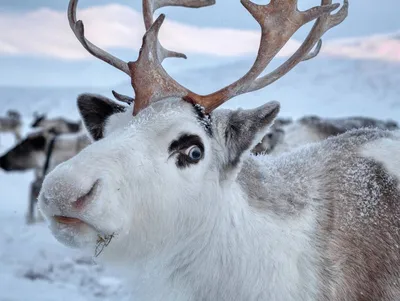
<point x="46" y="32"/>
<point x="377" y="47"/>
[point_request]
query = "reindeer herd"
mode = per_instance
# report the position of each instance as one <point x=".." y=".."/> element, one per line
<point x="201" y="203"/>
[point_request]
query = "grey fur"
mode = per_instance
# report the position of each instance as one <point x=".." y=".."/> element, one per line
<point x="242" y="126"/>
<point x="357" y="202"/>
<point x="335" y="126"/>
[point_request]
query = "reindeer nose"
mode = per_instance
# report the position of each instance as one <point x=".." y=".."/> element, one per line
<point x="86" y="198"/>
<point x="61" y="197"/>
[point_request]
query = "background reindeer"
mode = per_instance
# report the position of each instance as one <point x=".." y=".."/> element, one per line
<point x="58" y="125"/>
<point x="42" y="151"/>
<point x="285" y="134"/>
<point x="11" y="123"/>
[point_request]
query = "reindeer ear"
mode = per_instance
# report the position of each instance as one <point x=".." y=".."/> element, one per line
<point x="95" y="110"/>
<point x="244" y="129"/>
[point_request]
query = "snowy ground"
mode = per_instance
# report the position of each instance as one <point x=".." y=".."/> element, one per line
<point x="33" y="266"/>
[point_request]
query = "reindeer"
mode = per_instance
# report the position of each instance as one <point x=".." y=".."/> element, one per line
<point x="285" y="135"/>
<point x="11" y="124"/>
<point x="59" y="125"/>
<point x="41" y="151"/>
<point x="169" y="189"/>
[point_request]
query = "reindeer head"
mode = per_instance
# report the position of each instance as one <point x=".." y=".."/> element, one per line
<point x="14" y="114"/>
<point x="164" y="168"/>
<point x="38" y="119"/>
<point x="28" y="154"/>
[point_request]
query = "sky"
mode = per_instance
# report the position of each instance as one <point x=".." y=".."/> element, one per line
<point x="37" y="47"/>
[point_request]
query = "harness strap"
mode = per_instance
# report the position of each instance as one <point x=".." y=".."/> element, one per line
<point x="49" y="153"/>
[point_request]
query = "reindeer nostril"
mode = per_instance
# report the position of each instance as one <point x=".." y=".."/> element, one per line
<point x="87" y="197"/>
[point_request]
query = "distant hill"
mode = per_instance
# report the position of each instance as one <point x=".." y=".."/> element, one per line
<point x="324" y="86"/>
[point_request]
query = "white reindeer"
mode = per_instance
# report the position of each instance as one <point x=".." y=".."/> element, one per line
<point x="178" y="200"/>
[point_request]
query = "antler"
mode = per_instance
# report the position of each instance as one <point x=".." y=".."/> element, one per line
<point x="79" y="31"/>
<point x="150" y="6"/>
<point x="323" y="24"/>
<point x="151" y="54"/>
<point x="279" y="20"/>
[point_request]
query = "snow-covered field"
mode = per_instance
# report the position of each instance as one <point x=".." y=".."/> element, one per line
<point x="33" y="266"/>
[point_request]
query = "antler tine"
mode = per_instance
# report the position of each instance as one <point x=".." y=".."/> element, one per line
<point x="314" y="52"/>
<point x="279" y="20"/>
<point x="323" y="24"/>
<point x="149" y="79"/>
<point x="123" y="98"/>
<point x="150" y="6"/>
<point x="79" y="31"/>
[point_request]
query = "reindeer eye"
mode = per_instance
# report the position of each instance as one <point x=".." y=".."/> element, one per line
<point x="187" y="149"/>
<point x="194" y="153"/>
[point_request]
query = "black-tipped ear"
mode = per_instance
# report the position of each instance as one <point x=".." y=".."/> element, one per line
<point x="95" y="109"/>
<point x="245" y="128"/>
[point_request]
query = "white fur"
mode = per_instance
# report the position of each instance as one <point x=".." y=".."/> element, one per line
<point x="384" y="151"/>
<point x="279" y="264"/>
<point x="184" y="233"/>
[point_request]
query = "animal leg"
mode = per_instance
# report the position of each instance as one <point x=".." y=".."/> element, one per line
<point x="35" y="189"/>
<point x="18" y="136"/>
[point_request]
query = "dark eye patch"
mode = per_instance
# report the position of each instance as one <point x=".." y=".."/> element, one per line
<point x="183" y="143"/>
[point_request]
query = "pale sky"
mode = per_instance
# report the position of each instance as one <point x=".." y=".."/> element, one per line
<point x="37" y="47"/>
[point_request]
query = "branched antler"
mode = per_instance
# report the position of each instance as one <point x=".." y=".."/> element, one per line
<point x="323" y="24"/>
<point x="150" y="6"/>
<point x="149" y="79"/>
<point x="79" y="31"/>
<point x="279" y="20"/>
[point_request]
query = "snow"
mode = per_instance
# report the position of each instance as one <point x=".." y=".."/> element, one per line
<point x="34" y="266"/>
